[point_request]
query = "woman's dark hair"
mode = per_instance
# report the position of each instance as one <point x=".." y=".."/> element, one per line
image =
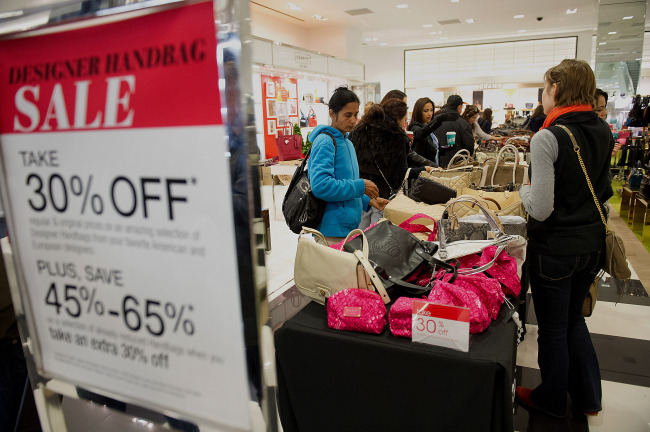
<point x="602" y="93"/>
<point x="487" y="114"/>
<point x="391" y="109"/>
<point x="418" y="109"/>
<point x="394" y="94"/>
<point x="341" y="97"/>
<point x="470" y="111"/>
<point x="539" y="111"/>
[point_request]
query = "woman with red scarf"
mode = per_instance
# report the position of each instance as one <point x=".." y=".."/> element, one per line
<point x="566" y="239"/>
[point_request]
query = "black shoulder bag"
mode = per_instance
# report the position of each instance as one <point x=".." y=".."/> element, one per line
<point x="300" y="207"/>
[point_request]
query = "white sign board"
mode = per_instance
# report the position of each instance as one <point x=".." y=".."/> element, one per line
<point x="120" y="207"/>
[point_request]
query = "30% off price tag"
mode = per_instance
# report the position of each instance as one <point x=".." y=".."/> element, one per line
<point x="440" y="325"/>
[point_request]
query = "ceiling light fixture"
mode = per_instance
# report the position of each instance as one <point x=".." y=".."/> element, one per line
<point x="518" y="16"/>
<point x="293" y="6"/>
<point x="10" y="14"/>
<point x="455" y="1"/>
<point x="470" y="21"/>
<point x="401" y="6"/>
<point x="629" y="17"/>
<point x="602" y="43"/>
<point x="571" y="11"/>
<point x="319" y="17"/>
<point x="427" y="25"/>
<point x="611" y="33"/>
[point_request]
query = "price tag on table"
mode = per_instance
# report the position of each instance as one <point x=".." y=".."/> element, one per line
<point x="446" y="326"/>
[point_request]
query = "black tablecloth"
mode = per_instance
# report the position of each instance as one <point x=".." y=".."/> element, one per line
<point x="335" y="381"/>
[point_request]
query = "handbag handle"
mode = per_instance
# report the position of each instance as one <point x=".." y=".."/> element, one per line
<point x="512" y="149"/>
<point x="463" y="154"/>
<point x="410" y="224"/>
<point x="289" y="125"/>
<point x="576" y="148"/>
<point x="489" y="216"/>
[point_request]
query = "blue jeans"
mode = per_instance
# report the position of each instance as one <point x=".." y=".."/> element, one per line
<point x="566" y="356"/>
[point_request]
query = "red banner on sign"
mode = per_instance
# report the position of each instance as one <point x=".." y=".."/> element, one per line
<point x="105" y="77"/>
<point x="440" y="311"/>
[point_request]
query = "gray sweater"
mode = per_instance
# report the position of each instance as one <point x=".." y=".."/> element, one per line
<point x="538" y="197"/>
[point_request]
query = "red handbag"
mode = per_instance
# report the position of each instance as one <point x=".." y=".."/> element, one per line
<point x="312" y="118"/>
<point x="289" y="145"/>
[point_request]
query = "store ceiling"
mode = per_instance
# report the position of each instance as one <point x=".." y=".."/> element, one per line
<point x="447" y="20"/>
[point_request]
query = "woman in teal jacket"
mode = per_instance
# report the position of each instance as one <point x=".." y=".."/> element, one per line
<point x="334" y="171"/>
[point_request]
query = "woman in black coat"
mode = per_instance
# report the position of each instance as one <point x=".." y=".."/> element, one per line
<point x="382" y="148"/>
<point x="425" y="142"/>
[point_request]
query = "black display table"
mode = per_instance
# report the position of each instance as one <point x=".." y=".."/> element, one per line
<point x="336" y="381"/>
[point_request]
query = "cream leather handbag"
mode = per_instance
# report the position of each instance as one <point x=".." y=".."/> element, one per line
<point x="320" y="271"/>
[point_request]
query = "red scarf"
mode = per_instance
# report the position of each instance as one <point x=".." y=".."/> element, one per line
<point x="558" y="111"/>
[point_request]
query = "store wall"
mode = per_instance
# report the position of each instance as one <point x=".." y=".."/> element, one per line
<point x="338" y="41"/>
<point x="386" y="64"/>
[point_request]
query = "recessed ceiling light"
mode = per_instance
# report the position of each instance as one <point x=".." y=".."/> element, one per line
<point x="383" y="44"/>
<point x="611" y="33"/>
<point x="470" y="21"/>
<point x="518" y="16"/>
<point x="629" y="17"/>
<point x="319" y="17"/>
<point x="427" y="25"/>
<point x="455" y="1"/>
<point x="293" y="6"/>
<point x="401" y="6"/>
<point x="521" y="31"/>
<point x="571" y="11"/>
<point x="602" y="43"/>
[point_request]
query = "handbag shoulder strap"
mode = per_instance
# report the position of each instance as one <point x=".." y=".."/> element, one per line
<point x="576" y="148"/>
<point x="374" y="278"/>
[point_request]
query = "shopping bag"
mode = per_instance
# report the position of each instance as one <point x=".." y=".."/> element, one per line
<point x="289" y="145"/>
<point x="312" y="118"/>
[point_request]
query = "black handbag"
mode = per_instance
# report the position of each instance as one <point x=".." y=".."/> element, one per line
<point x="303" y="119"/>
<point x="300" y="207"/>
<point x="396" y="254"/>
<point x="430" y="191"/>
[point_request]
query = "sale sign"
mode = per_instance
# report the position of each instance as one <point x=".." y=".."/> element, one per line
<point x="441" y="325"/>
<point x="117" y="190"/>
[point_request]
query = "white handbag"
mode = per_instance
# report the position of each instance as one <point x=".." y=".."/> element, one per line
<point x="320" y="271"/>
<point x="516" y="171"/>
<point x="515" y="245"/>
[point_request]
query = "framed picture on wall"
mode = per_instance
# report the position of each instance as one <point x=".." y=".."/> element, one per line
<point x="270" y="89"/>
<point x="270" y="127"/>
<point x="293" y="107"/>
<point x="293" y="91"/>
<point x="271" y="108"/>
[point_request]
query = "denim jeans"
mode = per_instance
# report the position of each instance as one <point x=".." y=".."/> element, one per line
<point x="566" y="356"/>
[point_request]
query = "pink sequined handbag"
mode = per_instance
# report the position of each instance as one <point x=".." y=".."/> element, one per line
<point x="504" y="270"/>
<point x="400" y="317"/>
<point x="487" y="289"/>
<point x="356" y="310"/>
<point x="449" y="294"/>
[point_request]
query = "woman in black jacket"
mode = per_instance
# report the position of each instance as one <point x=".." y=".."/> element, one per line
<point x="425" y="142"/>
<point x="382" y="148"/>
